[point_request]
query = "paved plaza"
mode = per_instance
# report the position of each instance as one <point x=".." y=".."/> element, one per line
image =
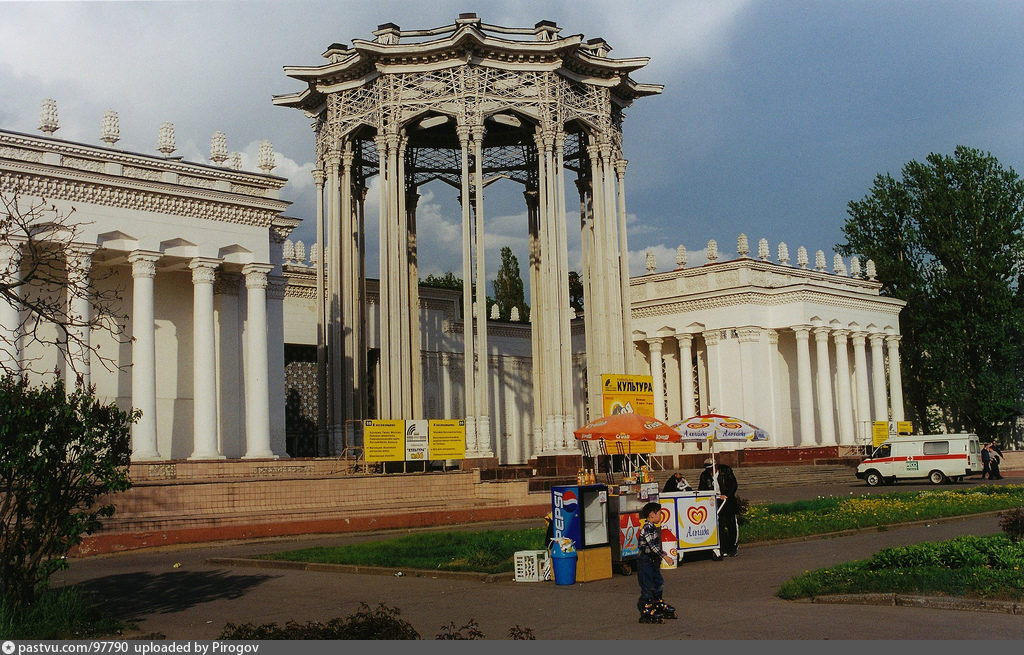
<point x="177" y="593"/>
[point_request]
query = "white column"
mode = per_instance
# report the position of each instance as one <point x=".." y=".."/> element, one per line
<point x="686" y="375"/>
<point x="483" y="421"/>
<point x="10" y="313"/>
<point x="627" y="329"/>
<point x="257" y="391"/>
<point x="752" y="373"/>
<point x="144" y="446"/>
<point x="878" y="377"/>
<point x="826" y="412"/>
<point x="322" y="447"/>
<point x="895" y="377"/>
<point x="657" y="375"/>
<point x="468" y="360"/>
<point x="714" y="373"/>
<point x="803" y="378"/>
<point x="79" y="264"/>
<point x="204" y="353"/>
<point x="846" y="429"/>
<point x="860" y="364"/>
<point x="446" y="387"/>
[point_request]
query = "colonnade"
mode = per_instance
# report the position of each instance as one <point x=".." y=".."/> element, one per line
<point x="143" y="360"/>
<point x="840" y="396"/>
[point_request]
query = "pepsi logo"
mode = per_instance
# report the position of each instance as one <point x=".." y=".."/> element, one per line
<point x="569" y="501"/>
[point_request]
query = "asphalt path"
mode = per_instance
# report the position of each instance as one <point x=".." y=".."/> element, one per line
<point x="175" y="593"/>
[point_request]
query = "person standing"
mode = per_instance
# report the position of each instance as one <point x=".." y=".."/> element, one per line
<point x="725" y="486"/>
<point x="995" y="457"/>
<point x="986" y="462"/>
<point x="653" y="609"/>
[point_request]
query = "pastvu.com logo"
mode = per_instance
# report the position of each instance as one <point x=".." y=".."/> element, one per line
<point x="8" y="647"/>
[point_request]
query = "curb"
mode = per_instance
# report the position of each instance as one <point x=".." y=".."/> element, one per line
<point x="929" y="602"/>
<point x="364" y="570"/>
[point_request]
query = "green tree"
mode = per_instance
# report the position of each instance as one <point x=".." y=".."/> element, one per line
<point x="576" y="291"/>
<point x="508" y="287"/>
<point x="949" y="239"/>
<point x="60" y="453"/>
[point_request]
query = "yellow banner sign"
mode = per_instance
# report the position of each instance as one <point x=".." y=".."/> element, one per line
<point x="879" y="432"/>
<point x="383" y="441"/>
<point x="627" y="394"/>
<point x="447" y="439"/>
<point x="904" y="427"/>
<point x="625" y="447"/>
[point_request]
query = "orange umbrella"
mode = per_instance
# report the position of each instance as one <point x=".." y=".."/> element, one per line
<point x="628" y="427"/>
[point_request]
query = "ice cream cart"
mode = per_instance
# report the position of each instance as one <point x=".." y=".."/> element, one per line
<point x="624" y="521"/>
<point x="689" y="523"/>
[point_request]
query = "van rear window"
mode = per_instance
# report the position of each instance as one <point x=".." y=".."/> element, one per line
<point x="936" y="448"/>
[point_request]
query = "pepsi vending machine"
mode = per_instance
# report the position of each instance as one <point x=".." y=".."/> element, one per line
<point x="580" y="512"/>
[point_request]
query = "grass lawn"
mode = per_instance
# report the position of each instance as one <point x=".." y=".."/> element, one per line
<point x="979" y="567"/>
<point x="493" y="551"/>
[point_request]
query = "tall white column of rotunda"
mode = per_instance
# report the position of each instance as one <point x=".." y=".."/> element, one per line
<point x="483" y="421"/>
<point x="321" y="318"/>
<point x="552" y="377"/>
<point x="204" y="353"/>
<point x="803" y="379"/>
<point x="657" y="362"/>
<point x="687" y="408"/>
<point x="144" y="443"/>
<point x="257" y="391"/>
<point x="714" y="366"/>
<point x="598" y="313"/>
<point x="10" y="314"/>
<point x="627" y="329"/>
<point x="895" y="377"/>
<point x="537" y="379"/>
<point x="468" y="361"/>
<point x="753" y="373"/>
<point x="843" y="391"/>
<point x="860" y="364"/>
<point x="564" y="323"/>
<point x="336" y="380"/>
<point x="878" y="377"/>
<point x="79" y="266"/>
<point x="587" y="247"/>
<point x="617" y="304"/>
<point x="826" y="412"/>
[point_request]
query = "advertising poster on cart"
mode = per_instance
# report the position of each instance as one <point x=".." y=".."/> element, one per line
<point x="669" y="540"/>
<point x="697" y="522"/>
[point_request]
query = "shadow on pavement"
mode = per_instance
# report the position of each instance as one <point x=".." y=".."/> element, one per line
<point x="132" y="596"/>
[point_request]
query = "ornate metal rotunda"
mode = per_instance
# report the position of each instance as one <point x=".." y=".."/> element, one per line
<point x="467" y="104"/>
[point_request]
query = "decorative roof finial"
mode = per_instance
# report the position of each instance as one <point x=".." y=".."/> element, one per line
<point x="165" y="142"/>
<point x="711" y="252"/>
<point x="513" y="314"/>
<point x="219" y="148"/>
<point x="801" y="257"/>
<point x="266" y="157"/>
<point x="110" y="132"/>
<point x="314" y="254"/>
<point x="681" y="256"/>
<point x="300" y="252"/>
<point x="871" y="269"/>
<point x="855" y="266"/>
<point x="763" y="251"/>
<point x="838" y="265"/>
<point x="48" y="122"/>
<point x="495" y="312"/>
<point x="783" y="253"/>
<point x="651" y="263"/>
<point x="288" y="251"/>
<point x="819" y="261"/>
<point x="742" y="246"/>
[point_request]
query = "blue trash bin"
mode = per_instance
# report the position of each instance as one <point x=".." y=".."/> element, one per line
<point x="563" y="565"/>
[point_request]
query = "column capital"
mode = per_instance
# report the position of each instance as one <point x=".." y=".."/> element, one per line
<point x="655" y="342"/>
<point x="893" y="339"/>
<point x="711" y="337"/>
<point x="876" y="338"/>
<point x="256" y="275"/>
<point x="204" y="269"/>
<point x="684" y="338"/>
<point x="318" y="175"/>
<point x="822" y="332"/>
<point x="857" y="337"/>
<point x="144" y="262"/>
<point x="463" y="133"/>
<point x="840" y="335"/>
<point x="749" y="334"/>
<point x="802" y="331"/>
<point x="620" y="167"/>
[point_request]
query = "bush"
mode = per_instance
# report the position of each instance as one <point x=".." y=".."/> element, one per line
<point x="59" y="453"/>
<point x="381" y="623"/>
<point x="1012" y="523"/>
<point x="58" y="614"/>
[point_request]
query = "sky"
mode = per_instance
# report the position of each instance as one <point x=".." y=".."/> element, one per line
<point x="774" y="116"/>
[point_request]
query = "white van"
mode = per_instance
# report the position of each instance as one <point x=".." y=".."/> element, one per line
<point x="938" y="457"/>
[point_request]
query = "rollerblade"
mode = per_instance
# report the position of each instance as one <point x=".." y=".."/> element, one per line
<point x="667" y="611"/>
<point x="649" y="611"/>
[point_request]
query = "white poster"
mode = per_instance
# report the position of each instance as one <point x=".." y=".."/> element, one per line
<point x="416" y="440"/>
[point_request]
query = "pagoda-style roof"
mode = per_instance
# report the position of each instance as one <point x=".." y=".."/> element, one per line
<point x="467" y="41"/>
